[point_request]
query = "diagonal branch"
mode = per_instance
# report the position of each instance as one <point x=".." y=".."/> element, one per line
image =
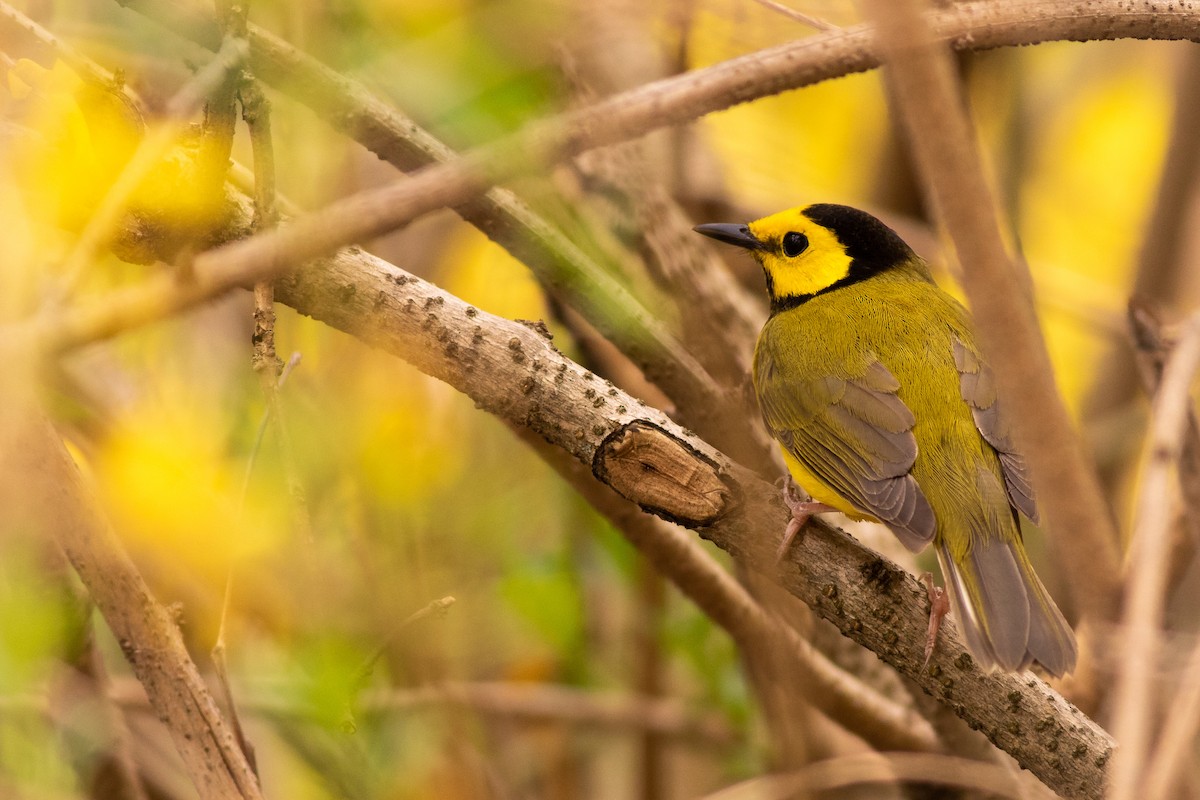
<point x="43" y="485"/>
<point x="653" y="106"/>
<point x="684" y="98"/>
<point x="512" y="371"/>
<point x="568" y="272"/>
<point x="852" y="704"/>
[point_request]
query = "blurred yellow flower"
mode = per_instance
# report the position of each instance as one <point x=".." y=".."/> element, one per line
<point x="79" y="136"/>
<point x="173" y="492"/>
<point x="76" y="138"/>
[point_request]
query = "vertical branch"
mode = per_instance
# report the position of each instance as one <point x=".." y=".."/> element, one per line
<point x="256" y="112"/>
<point x="930" y="103"/>
<point x="220" y="124"/>
<point x="1149" y="550"/>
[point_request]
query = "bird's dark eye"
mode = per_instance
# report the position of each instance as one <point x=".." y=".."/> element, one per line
<point x="794" y="244"/>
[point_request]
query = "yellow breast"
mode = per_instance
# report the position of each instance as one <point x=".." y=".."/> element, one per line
<point x="819" y="490"/>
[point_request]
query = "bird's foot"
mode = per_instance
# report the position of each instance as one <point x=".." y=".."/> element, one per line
<point x="939" y="607"/>
<point x="802" y="511"/>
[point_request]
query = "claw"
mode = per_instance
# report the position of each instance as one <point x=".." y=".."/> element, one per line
<point x="802" y="511"/>
<point x="939" y="607"/>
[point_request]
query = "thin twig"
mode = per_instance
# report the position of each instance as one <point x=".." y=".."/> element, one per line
<point x="1153" y="347"/>
<point x="218" y="652"/>
<point x="216" y="146"/>
<point x="799" y="16"/>
<point x="261" y="431"/>
<point x="535" y="702"/>
<point x="256" y="111"/>
<point x="512" y="371"/>
<point x="221" y="665"/>
<point x="438" y="607"/>
<point x="1149" y="548"/>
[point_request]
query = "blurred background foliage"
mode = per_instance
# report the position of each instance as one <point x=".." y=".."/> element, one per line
<point x="413" y="494"/>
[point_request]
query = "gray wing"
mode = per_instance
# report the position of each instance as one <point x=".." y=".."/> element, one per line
<point x="855" y="435"/>
<point x="978" y="388"/>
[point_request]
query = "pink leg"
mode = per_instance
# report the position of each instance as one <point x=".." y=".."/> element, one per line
<point x="802" y="511"/>
<point x="939" y="607"/>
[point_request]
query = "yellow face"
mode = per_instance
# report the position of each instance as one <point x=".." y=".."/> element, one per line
<point x="815" y="249"/>
<point x="799" y="256"/>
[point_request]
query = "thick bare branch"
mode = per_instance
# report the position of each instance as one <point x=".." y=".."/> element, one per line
<point x="511" y="370"/>
<point x="852" y="704"/>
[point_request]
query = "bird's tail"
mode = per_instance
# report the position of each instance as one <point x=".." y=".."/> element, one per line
<point x="1007" y="616"/>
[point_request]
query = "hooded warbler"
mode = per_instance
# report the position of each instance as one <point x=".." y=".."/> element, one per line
<point x="869" y="377"/>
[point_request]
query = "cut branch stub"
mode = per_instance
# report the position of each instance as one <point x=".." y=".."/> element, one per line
<point x="663" y="474"/>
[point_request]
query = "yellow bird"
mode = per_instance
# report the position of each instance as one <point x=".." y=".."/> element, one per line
<point x="869" y="377"/>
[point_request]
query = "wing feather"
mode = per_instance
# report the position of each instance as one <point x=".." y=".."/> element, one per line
<point x="855" y="435"/>
<point x="978" y="388"/>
